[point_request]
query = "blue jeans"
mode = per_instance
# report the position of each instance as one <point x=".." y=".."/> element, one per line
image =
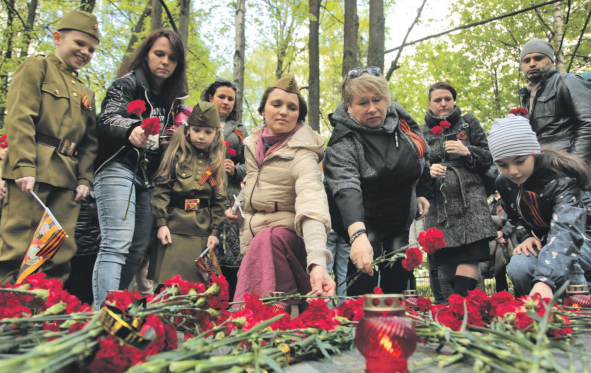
<point x="522" y="268"/>
<point x="340" y="250"/>
<point x="123" y="242"/>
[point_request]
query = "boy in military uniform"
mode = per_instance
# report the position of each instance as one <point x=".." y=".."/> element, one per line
<point x="51" y="123"/>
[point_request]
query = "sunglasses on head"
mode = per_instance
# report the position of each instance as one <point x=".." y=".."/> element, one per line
<point x="225" y="81"/>
<point x="371" y="70"/>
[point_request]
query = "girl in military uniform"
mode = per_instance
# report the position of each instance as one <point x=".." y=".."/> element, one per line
<point x="189" y="196"/>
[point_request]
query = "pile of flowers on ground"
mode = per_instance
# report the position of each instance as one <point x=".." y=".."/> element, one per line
<point x="480" y="309"/>
<point x="185" y="325"/>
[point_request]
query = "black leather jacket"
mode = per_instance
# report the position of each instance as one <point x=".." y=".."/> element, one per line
<point x="557" y="212"/>
<point x="561" y="113"/>
<point x="115" y="124"/>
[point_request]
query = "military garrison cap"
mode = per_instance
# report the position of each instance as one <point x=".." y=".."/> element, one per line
<point x="80" y="21"/>
<point x="204" y="114"/>
<point x="288" y="84"/>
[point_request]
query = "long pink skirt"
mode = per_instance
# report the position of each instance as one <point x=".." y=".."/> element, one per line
<point x="274" y="261"/>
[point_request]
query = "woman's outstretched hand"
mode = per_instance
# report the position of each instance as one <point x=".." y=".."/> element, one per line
<point x="362" y="254"/>
<point x="322" y="283"/>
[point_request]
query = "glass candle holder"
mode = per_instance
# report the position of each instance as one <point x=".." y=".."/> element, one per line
<point x="410" y="298"/>
<point x="282" y="306"/>
<point x="577" y="296"/>
<point x="385" y="336"/>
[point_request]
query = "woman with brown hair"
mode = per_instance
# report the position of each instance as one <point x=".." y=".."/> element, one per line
<point x="459" y="155"/>
<point x="127" y="159"/>
<point x="286" y="220"/>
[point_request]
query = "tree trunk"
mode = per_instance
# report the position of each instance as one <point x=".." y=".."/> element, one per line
<point x="314" y="60"/>
<point x="156" y="21"/>
<point x="351" y="48"/>
<point x="31" y="14"/>
<point x="375" y="52"/>
<point x="279" y="69"/>
<point x="558" y="36"/>
<point x="87" y="5"/>
<point x="137" y="29"/>
<point x="184" y="21"/>
<point x="239" y="56"/>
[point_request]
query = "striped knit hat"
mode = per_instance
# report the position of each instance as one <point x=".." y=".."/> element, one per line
<point x="512" y="137"/>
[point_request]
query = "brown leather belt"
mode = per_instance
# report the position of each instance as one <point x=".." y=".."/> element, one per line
<point x="62" y="146"/>
<point x="189" y="204"/>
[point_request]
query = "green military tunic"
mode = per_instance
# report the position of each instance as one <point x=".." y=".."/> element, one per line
<point x="189" y="229"/>
<point x="46" y="98"/>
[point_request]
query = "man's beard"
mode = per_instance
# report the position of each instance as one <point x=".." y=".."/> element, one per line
<point x="535" y="78"/>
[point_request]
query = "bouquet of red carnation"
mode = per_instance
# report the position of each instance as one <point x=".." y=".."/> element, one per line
<point x="229" y="151"/>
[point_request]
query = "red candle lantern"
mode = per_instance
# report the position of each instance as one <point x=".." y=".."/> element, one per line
<point x="577" y="296"/>
<point x="385" y="335"/>
<point x="410" y="298"/>
<point x="282" y="306"/>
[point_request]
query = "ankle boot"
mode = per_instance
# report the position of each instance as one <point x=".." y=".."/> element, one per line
<point x="463" y="284"/>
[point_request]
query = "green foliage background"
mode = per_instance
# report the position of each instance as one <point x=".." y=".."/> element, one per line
<point x="481" y="62"/>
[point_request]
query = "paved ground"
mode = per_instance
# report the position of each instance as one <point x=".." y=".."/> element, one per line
<point x="353" y="362"/>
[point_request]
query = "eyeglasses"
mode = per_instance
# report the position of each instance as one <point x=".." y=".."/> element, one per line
<point x="358" y="71"/>
<point x="225" y="81"/>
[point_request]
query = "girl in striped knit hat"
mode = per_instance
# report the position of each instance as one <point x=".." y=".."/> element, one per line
<point x="543" y="194"/>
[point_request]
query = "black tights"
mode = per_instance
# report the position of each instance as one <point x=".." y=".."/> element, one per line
<point x="394" y="280"/>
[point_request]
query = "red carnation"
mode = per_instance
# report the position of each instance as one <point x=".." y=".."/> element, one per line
<point x="378" y="290"/>
<point x="3" y="142"/>
<point x="520" y="112"/>
<point x="414" y="258"/>
<point x="424" y="304"/>
<point x="523" y="320"/>
<point x="231" y="152"/>
<point x="445" y="124"/>
<point x="431" y="240"/>
<point x="136" y="107"/>
<point x="151" y="126"/>
<point x="437" y="130"/>
<point x="446" y="317"/>
<point x="351" y="309"/>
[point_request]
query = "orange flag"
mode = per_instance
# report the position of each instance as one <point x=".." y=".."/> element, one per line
<point x="47" y="239"/>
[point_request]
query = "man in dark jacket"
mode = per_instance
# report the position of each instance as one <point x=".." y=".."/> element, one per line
<point x="559" y="105"/>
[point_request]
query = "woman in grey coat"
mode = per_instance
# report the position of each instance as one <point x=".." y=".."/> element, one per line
<point x="460" y="207"/>
<point x="222" y="93"/>
<point x="377" y="178"/>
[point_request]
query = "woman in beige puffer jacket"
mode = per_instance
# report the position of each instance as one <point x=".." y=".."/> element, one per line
<point x="286" y="219"/>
